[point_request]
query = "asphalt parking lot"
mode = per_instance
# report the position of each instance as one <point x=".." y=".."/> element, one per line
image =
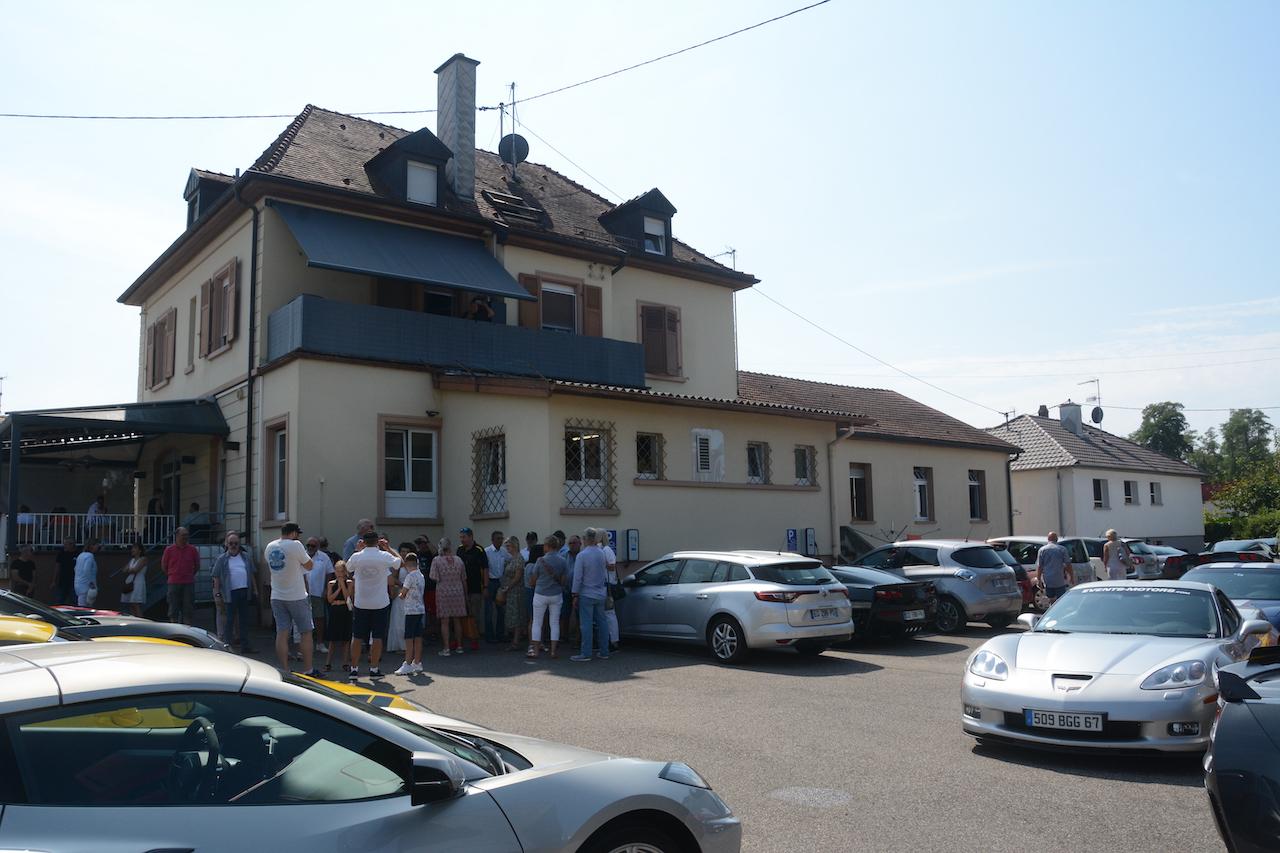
<point x="859" y="749"/>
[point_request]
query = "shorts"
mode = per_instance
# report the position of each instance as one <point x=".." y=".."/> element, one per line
<point x="317" y="607"/>
<point x="1053" y="593"/>
<point x="413" y="625"/>
<point x="365" y="623"/>
<point x="292" y="615"/>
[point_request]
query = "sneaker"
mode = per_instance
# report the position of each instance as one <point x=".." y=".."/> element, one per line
<point x="354" y="675"/>
<point x="322" y="649"/>
<point x="375" y="673"/>
<point x="580" y="658"/>
<point x="417" y="667"/>
<point x="405" y="669"/>
<point x="444" y="653"/>
<point x="315" y="673"/>
<point x="458" y="650"/>
<point x="602" y="657"/>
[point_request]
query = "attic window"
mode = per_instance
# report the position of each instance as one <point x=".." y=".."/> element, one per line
<point x="655" y="236"/>
<point x="420" y="186"/>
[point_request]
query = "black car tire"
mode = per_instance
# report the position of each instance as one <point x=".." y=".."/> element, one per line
<point x="811" y="650"/>
<point x="951" y="616"/>
<point x="727" y="642"/>
<point x="629" y="836"/>
<point x="1000" y="622"/>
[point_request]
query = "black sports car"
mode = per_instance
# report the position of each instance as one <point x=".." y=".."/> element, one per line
<point x="1242" y="766"/>
<point x="887" y="603"/>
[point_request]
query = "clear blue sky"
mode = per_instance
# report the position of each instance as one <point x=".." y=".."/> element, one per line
<point x="975" y="192"/>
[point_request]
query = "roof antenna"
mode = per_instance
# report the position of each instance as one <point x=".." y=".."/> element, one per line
<point x="732" y="253"/>
<point x="1096" y="399"/>
<point x="512" y="147"/>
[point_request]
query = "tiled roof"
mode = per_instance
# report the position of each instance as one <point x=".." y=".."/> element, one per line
<point x="213" y="176"/>
<point x="331" y="149"/>
<point x="692" y="399"/>
<point x="895" y="417"/>
<point x="1046" y="443"/>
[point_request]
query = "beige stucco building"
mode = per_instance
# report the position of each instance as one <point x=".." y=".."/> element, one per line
<point x="322" y="299"/>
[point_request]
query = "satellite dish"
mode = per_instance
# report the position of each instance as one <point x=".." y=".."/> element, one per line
<point x="513" y="149"/>
<point x="1096" y="415"/>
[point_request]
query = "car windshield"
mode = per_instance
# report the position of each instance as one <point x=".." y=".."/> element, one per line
<point x="451" y="744"/>
<point x="1166" y="551"/>
<point x="1238" y="585"/>
<point x="1160" y="611"/>
<point x="13" y="604"/>
<point x="1235" y="545"/>
<point x="983" y="557"/>
<point x="793" y="574"/>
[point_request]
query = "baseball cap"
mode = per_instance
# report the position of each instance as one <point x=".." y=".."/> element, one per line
<point x="466" y="530"/>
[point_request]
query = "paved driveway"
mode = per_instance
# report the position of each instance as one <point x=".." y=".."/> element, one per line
<point x="855" y="750"/>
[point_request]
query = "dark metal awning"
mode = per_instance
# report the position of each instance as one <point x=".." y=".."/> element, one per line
<point x="336" y="241"/>
<point x="50" y="430"/>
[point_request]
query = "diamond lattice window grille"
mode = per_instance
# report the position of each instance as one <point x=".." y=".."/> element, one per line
<point x="651" y="456"/>
<point x="489" y="471"/>
<point x="806" y="465"/>
<point x="589" y="465"/>
<point x="758" y="462"/>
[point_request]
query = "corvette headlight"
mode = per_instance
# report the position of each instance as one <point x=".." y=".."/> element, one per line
<point x="677" y="771"/>
<point x="1187" y="673"/>
<point x="989" y="665"/>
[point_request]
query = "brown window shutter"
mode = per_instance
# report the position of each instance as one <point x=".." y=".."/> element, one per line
<point x="206" y="291"/>
<point x="652" y="334"/>
<point x="673" y="341"/>
<point x="233" y="299"/>
<point x="170" y="341"/>
<point x="592" y="311"/>
<point x="531" y="312"/>
<point x="150" y="356"/>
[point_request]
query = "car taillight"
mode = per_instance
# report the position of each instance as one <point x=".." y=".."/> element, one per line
<point x="783" y="597"/>
<point x="839" y="590"/>
<point x="889" y="594"/>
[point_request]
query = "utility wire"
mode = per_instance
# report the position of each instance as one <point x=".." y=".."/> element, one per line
<point x="612" y="192"/>
<point x="1160" y="356"/>
<point x="1185" y="409"/>
<point x="609" y="74"/>
<point x="876" y="358"/>
<point x="200" y="118"/>
<point x="1059" y="375"/>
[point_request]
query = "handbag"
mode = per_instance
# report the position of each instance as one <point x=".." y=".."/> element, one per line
<point x="617" y="591"/>
<point x="128" y="585"/>
<point x="501" y="597"/>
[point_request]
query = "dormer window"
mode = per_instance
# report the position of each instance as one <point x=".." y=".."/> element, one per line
<point x="421" y="182"/>
<point x="655" y="236"/>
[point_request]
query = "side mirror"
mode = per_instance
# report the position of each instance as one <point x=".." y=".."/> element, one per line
<point x="632" y="580"/>
<point x="1253" y="627"/>
<point x="1028" y="619"/>
<point x="433" y="778"/>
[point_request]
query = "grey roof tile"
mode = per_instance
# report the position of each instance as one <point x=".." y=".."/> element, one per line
<point x="1046" y="443"/>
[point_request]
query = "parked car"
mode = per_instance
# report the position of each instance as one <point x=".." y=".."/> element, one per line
<point x="1026" y="549"/>
<point x="1093" y="548"/>
<point x="1020" y="575"/>
<point x="1164" y="552"/>
<point x="973" y="583"/>
<point x="1121" y="665"/>
<point x="885" y="603"/>
<point x="736" y="601"/>
<point x="1145" y="564"/>
<point x="1242" y="766"/>
<point x="91" y="627"/>
<point x="1254" y="588"/>
<point x="1176" y="566"/>
<point x="284" y="764"/>
<point x="1265" y="547"/>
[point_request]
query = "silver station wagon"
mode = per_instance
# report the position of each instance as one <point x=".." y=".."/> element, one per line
<point x="736" y="601"/>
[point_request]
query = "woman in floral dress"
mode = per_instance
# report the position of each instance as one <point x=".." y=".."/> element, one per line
<point x="516" y="614"/>
<point x="450" y="576"/>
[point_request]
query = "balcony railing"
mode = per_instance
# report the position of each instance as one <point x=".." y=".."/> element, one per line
<point x="327" y="327"/>
<point x="46" y="531"/>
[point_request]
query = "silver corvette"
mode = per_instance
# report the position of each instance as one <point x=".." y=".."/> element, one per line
<point x="1116" y="665"/>
<point x="113" y="747"/>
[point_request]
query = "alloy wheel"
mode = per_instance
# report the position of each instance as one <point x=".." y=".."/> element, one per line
<point x="724" y="641"/>
<point x="637" y="848"/>
<point x="949" y="616"/>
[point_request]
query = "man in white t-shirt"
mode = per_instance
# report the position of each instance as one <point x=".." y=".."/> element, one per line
<point x="317" y="577"/>
<point x="372" y="568"/>
<point x="288" y="561"/>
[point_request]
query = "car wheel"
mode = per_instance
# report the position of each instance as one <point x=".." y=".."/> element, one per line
<point x="633" y="838"/>
<point x="810" y="650"/>
<point x="950" y="616"/>
<point x="999" y="622"/>
<point x="726" y="640"/>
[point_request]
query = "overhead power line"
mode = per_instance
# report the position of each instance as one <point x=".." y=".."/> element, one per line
<point x="569" y="159"/>
<point x="1186" y="409"/>
<point x="1063" y="375"/>
<point x="873" y="357"/>
<point x="199" y="118"/>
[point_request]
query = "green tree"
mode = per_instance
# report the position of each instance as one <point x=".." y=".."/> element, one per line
<point x="1255" y="493"/>
<point x="1246" y="443"/>
<point x="1207" y="456"/>
<point x="1164" y="430"/>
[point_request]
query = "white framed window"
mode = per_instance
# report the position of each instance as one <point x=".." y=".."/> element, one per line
<point x="410" y="488"/>
<point x="806" y="465"/>
<point x="977" y="495"/>
<point x="757" y="462"/>
<point x="588" y="468"/>
<point x="922" y="490"/>
<point x="1156" y="498"/>
<point x="420" y="183"/>
<point x="1131" y="492"/>
<point x="708" y="455"/>
<point x="655" y="236"/>
<point x="1101" y="498"/>
<point x="277" y="479"/>
<point x="559" y="308"/>
<point x="860" y="491"/>
<point x="649" y="456"/>
<point x="489" y="461"/>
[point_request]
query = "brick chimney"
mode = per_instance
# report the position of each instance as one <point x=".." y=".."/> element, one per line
<point x="456" y="122"/>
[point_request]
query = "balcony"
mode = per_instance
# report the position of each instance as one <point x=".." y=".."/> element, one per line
<point x="311" y="324"/>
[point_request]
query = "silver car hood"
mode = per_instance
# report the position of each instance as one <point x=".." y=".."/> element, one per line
<point x="1117" y="654"/>
<point x="543" y="754"/>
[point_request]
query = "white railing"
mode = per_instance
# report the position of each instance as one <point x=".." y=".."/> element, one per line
<point x="45" y="530"/>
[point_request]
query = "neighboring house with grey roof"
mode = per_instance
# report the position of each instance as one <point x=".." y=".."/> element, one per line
<point x="1080" y="480"/>
<point x="321" y="299"/>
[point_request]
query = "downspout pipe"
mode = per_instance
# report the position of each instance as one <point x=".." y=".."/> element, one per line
<point x="1008" y="487"/>
<point x="841" y="434"/>
<point x="1062" y="522"/>
<point x="249" y="367"/>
